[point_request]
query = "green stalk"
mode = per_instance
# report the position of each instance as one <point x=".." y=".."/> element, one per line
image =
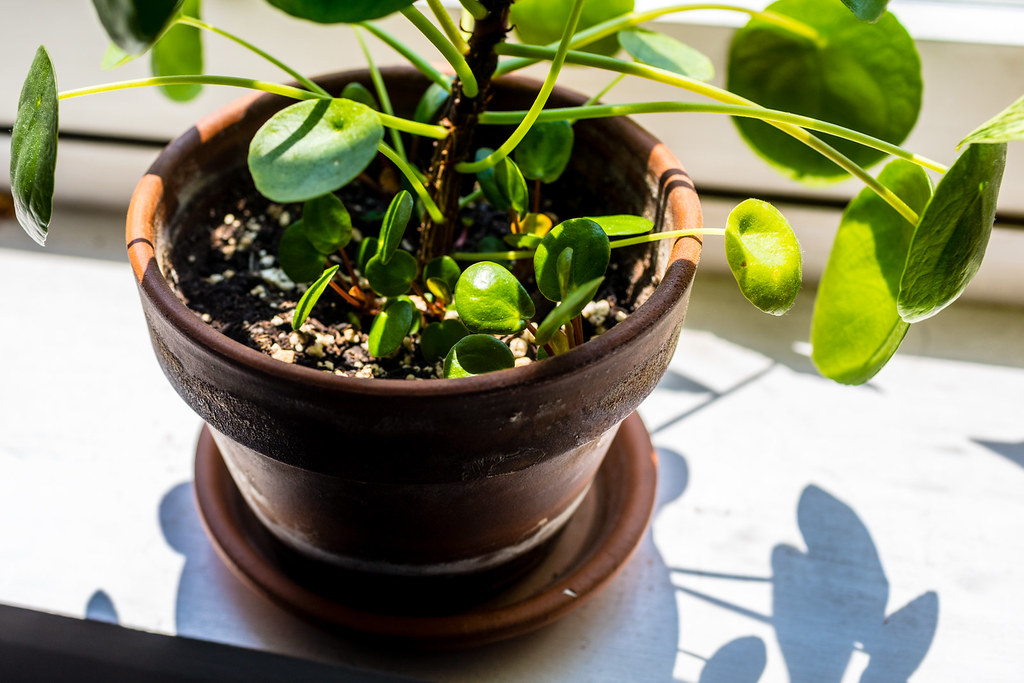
<point x="475" y="9"/>
<point x="671" y="234"/>
<point x="470" y="198"/>
<point x="197" y="79"/>
<point x="414" y="179"/>
<point x="421" y="65"/>
<point x="712" y="92"/>
<point x="448" y="26"/>
<point x="538" y="104"/>
<point x="491" y="255"/>
<point x="604" y="91"/>
<point x="606" y="110"/>
<point x="447" y="50"/>
<point x="622" y="22"/>
<point x="192" y="21"/>
<point x="382" y="92"/>
<point x="414" y="127"/>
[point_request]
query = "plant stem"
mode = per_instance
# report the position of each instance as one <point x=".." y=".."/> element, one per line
<point x="422" y="65"/>
<point x="606" y="110"/>
<point x="447" y="50"/>
<point x="616" y="24"/>
<point x="197" y="79"/>
<point x="426" y="130"/>
<point x="345" y="295"/>
<point x="475" y="9"/>
<point x="492" y="255"/>
<point x="538" y="104"/>
<point x="414" y="179"/>
<point x="194" y="22"/>
<point x="448" y="26"/>
<point x="470" y="198"/>
<point x="382" y="93"/>
<point x="671" y="234"/>
<point x="701" y="88"/>
<point x="603" y="91"/>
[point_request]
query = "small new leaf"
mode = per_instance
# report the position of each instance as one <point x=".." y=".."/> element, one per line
<point x="443" y="268"/>
<point x="591" y="253"/>
<point x="393" y="227"/>
<point x="438" y="338"/>
<point x="390" y="327"/>
<point x="394" y="277"/>
<point x="311" y="296"/>
<point x="34" y="148"/>
<point x="299" y="259"/>
<point x="570" y="307"/>
<point x="545" y="151"/>
<point x="428" y="109"/>
<point x="327" y="222"/>
<point x="763" y="255"/>
<point x="491" y="300"/>
<point x="357" y="92"/>
<point x="477" y="354"/>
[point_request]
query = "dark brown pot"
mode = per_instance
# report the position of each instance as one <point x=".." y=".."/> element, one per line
<point x="429" y="478"/>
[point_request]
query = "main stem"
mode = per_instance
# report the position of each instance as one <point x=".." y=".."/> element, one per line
<point x="443" y="182"/>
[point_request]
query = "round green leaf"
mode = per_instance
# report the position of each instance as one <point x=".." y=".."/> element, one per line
<point x="570" y="307"/>
<point x="540" y="22"/>
<point x="357" y="92"/>
<point x="623" y="225"/>
<point x="443" y="268"/>
<point x="390" y="327"/>
<point x="393" y="227"/>
<point x="311" y="296"/>
<point x="952" y="233"/>
<point x="335" y="12"/>
<point x="763" y="255"/>
<point x="299" y="259"/>
<point x="503" y="184"/>
<point x="134" y="25"/>
<point x="438" y="338"/>
<point x="312" y="148"/>
<point x="34" y="148"/>
<point x="591" y="253"/>
<point x="477" y="354"/>
<point x="862" y="76"/>
<point x="327" y="223"/>
<point x="665" y="52"/>
<point x="179" y="52"/>
<point x="491" y="300"/>
<point x="428" y="109"/>
<point x="856" y="328"/>
<point x="395" y="276"/>
<point x="367" y="250"/>
<point x="545" y="151"/>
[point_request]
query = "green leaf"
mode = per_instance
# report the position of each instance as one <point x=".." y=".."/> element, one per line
<point x="867" y="10"/>
<point x="313" y="147"/>
<point x="367" y="250"/>
<point x="395" y="276"/>
<point x="665" y="52"/>
<point x="952" y="234"/>
<point x="115" y="57"/>
<point x="179" y="52"/>
<point x="570" y="307"/>
<point x="862" y="76"/>
<point x="438" y="338"/>
<point x="135" y="25"/>
<point x="522" y="240"/>
<point x="545" y="151"/>
<point x="503" y="184"/>
<point x="357" y="92"/>
<point x="477" y="354"/>
<point x="428" y="109"/>
<point x="856" y="328"/>
<point x="337" y="12"/>
<point x="591" y="253"/>
<point x="763" y="255"/>
<point x="540" y="22"/>
<point x="440" y="289"/>
<point x="443" y="268"/>
<point x="563" y="268"/>
<point x="623" y="225"/>
<point x="416" y="317"/>
<point x="491" y="300"/>
<point x="311" y="296"/>
<point x="299" y="259"/>
<point x="328" y="225"/>
<point x="393" y="227"/>
<point x="390" y="327"/>
<point x="34" y="148"/>
<point x="1005" y="126"/>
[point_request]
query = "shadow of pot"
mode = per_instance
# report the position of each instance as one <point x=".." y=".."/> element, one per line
<point x="469" y="478"/>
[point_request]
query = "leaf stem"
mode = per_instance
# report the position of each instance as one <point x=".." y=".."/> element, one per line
<point x="421" y="65"/>
<point x="414" y="179"/>
<point x="194" y="22"/>
<point x="196" y="79"/>
<point x="621" y="22"/>
<point x="382" y="92"/>
<point x="475" y="9"/>
<point x="538" y="104"/>
<point x="671" y="234"/>
<point x="448" y="26"/>
<point x="445" y="47"/>
<point x="744" y="111"/>
<point x="492" y="255"/>
<point x="470" y="198"/>
<point x="721" y="95"/>
<point x="426" y="130"/>
<point x="603" y="91"/>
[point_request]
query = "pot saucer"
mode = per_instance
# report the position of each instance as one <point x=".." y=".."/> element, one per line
<point x="595" y="544"/>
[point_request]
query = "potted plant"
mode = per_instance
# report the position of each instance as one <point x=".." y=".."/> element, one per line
<point x="449" y="226"/>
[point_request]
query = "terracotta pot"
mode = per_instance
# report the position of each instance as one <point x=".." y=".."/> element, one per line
<point x="437" y="478"/>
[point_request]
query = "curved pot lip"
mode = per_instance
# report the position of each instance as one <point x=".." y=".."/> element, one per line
<point x="140" y="240"/>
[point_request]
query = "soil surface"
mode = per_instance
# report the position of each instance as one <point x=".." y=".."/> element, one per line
<point x="225" y="269"/>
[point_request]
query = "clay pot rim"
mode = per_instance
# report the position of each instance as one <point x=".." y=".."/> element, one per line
<point x="146" y="206"/>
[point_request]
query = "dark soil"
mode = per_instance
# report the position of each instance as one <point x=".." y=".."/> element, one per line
<point x="225" y="269"/>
